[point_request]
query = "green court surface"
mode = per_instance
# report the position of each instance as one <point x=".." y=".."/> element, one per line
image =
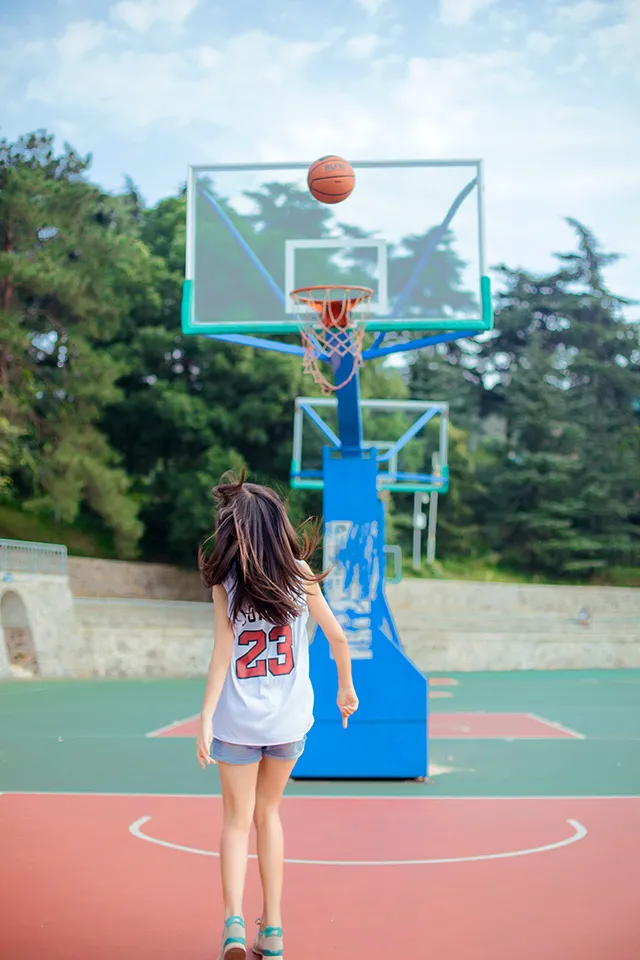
<point x="523" y="842"/>
<point x="92" y="736"/>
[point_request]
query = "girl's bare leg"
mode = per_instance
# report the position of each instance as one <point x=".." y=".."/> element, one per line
<point x="272" y="779"/>
<point x="238" y="803"/>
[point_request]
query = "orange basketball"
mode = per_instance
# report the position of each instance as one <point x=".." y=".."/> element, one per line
<point x="331" y="179"/>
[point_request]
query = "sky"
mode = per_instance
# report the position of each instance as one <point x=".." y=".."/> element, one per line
<point x="542" y="90"/>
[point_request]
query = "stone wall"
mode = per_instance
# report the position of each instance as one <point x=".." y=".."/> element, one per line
<point x="135" y="581"/>
<point x="50" y="615"/>
<point x="444" y="625"/>
<point x="143" y="637"/>
<point x="454" y="625"/>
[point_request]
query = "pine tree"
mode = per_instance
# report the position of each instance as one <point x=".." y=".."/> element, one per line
<point x="69" y="271"/>
<point x="563" y="364"/>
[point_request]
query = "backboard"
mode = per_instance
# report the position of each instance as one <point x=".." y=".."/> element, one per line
<point x="413" y="231"/>
<point x="409" y="437"/>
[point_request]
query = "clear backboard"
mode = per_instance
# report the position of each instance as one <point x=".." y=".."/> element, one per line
<point x="410" y="439"/>
<point x="411" y="230"/>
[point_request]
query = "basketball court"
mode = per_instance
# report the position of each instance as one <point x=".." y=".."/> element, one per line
<point x="524" y="841"/>
<point x="516" y="835"/>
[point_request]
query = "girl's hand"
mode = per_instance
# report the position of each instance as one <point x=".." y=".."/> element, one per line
<point x="347" y="703"/>
<point x="203" y="743"/>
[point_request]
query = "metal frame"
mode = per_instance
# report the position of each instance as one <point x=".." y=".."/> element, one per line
<point x="467" y="327"/>
<point x="388" y="737"/>
<point x="391" y="479"/>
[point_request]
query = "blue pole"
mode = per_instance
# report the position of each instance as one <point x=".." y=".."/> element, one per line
<point x="409" y="345"/>
<point x="321" y="425"/>
<point x="349" y="413"/>
<point x="409" y="434"/>
<point x="259" y="342"/>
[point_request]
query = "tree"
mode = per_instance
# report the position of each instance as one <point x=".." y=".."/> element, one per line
<point x="564" y="362"/>
<point x="532" y="494"/>
<point x="192" y="408"/>
<point x="69" y="270"/>
<point x="110" y="415"/>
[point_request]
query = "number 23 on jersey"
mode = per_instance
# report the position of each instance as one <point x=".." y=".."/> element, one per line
<point x="279" y="659"/>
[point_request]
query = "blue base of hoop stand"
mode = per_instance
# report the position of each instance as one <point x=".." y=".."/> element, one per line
<point x="387" y="737"/>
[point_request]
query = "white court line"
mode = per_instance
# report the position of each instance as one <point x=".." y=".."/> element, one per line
<point x="558" y="726"/>
<point x="326" y="796"/>
<point x="467" y="713"/>
<point x="171" y="726"/>
<point x="491" y="736"/>
<point x="579" y="833"/>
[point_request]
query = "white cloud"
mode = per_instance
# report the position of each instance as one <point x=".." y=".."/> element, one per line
<point x="575" y="65"/>
<point x="540" y="43"/>
<point x="136" y="89"/>
<point x="256" y="96"/>
<point x="460" y="12"/>
<point x="618" y="44"/>
<point x="363" y="45"/>
<point x="582" y="13"/>
<point x="80" y="38"/>
<point x="370" y="6"/>
<point x="141" y="15"/>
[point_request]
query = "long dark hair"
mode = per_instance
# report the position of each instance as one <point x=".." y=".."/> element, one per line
<point x="257" y="544"/>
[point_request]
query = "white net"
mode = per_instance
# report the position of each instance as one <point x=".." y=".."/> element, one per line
<point x="332" y="328"/>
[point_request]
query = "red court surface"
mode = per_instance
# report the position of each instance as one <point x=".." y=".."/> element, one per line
<point x="502" y="878"/>
<point x="472" y="726"/>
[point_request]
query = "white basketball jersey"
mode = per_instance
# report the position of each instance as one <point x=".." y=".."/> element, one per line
<point x="267" y="697"/>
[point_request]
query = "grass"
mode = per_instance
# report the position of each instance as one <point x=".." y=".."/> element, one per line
<point x="466" y="569"/>
<point x="489" y="570"/>
<point x="619" y="577"/>
<point x="15" y="524"/>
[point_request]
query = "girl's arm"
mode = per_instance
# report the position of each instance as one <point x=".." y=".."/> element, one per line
<point x="218" y="666"/>
<point x="324" y="617"/>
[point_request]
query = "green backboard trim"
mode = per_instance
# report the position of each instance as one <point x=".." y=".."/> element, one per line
<point x="186" y="307"/>
<point x="487" y="303"/>
<point x="191" y="325"/>
<point x="377" y="326"/>
<point x="298" y="483"/>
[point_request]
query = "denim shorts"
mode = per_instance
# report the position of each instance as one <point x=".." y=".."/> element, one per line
<point x="237" y="753"/>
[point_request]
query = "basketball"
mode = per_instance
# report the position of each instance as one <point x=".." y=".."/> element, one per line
<point x="331" y="179"/>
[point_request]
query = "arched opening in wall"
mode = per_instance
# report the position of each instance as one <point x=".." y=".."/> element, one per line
<point x="21" y="652"/>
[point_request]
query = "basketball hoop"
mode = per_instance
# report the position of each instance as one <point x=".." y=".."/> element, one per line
<point x="338" y="333"/>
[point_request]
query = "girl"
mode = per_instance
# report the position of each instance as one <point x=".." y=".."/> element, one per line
<point x="258" y="701"/>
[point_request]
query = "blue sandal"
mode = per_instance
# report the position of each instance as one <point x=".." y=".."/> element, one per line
<point x="268" y="942"/>
<point x="234" y="941"/>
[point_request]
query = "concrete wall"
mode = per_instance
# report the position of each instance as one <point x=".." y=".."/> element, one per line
<point x="49" y="606"/>
<point x="450" y="625"/>
<point x="444" y="625"/>
<point x="136" y="581"/>
<point x="143" y="637"/>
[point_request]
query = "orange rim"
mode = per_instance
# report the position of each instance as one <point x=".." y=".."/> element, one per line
<point x="334" y="311"/>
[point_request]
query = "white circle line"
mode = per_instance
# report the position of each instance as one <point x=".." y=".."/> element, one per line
<point x="579" y="833"/>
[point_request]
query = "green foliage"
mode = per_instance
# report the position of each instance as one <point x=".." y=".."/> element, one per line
<point x="70" y="268"/>
<point x="114" y="426"/>
<point x="565" y="481"/>
<point x="88" y="539"/>
<point x="191" y="408"/>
